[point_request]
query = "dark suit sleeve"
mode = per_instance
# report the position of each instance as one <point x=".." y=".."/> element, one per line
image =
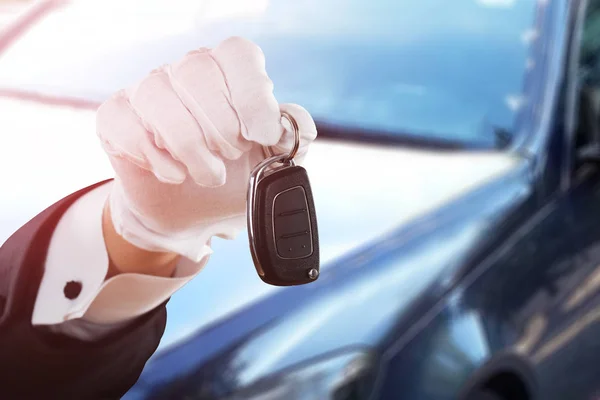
<point x="36" y="364"/>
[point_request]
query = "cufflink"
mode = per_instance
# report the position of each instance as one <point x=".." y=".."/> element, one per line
<point x="72" y="289"/>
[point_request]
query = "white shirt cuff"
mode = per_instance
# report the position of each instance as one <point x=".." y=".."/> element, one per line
<point x="77" y="254"/>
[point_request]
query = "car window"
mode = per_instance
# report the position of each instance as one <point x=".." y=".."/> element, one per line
<point x="429" y="68"/>
<point x="590" y="45"/>
<point x="588" y="121"/>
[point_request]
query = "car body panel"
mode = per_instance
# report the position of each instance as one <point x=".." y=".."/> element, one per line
<point x="536" y="298"/>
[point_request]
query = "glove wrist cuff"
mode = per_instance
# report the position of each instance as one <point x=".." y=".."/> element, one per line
<point x="131" y="226"/>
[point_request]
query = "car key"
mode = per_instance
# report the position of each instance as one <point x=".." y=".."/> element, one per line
<point x="282" y="224"/>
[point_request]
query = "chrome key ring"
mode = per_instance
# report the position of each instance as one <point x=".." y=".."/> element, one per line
<point x="296" y="146"/>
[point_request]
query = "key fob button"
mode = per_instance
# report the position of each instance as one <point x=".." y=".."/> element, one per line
<point x="293" y="233"/>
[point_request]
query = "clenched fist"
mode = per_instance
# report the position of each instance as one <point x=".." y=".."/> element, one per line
<point x="184" y="141"/>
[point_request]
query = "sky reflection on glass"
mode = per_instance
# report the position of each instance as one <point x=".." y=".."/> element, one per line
<point x="427" y="67"/>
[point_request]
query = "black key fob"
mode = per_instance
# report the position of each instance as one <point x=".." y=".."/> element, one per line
<point x="282" y="224"/>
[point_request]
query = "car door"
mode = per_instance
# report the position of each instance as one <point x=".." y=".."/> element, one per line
<point x="544" y="288"/>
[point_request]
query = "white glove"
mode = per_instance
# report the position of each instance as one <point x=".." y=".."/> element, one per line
<point x="184" y="141"/>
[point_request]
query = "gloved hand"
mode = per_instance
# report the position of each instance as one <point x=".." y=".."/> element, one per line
<point x="184" y="141"/>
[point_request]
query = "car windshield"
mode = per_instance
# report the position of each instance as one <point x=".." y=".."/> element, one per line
<point x="425" y="68"/>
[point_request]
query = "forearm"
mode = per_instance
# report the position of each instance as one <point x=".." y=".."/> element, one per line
<point x="126" y="258"/>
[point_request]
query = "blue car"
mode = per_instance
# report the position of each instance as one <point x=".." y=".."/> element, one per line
<point x="455" y="178"/>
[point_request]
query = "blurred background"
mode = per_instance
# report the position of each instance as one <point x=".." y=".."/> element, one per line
<point x="419" y="105"/>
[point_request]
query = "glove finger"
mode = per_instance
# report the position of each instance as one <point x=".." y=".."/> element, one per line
<point x="306" y="128"/>
<point x="243" y="65"/>
<point x="175" y="129"/>
<point x="201" y="86"/>
<point x="122" y="135"/>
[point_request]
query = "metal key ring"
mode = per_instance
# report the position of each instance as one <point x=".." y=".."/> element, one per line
<point x="296" y="146"/>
